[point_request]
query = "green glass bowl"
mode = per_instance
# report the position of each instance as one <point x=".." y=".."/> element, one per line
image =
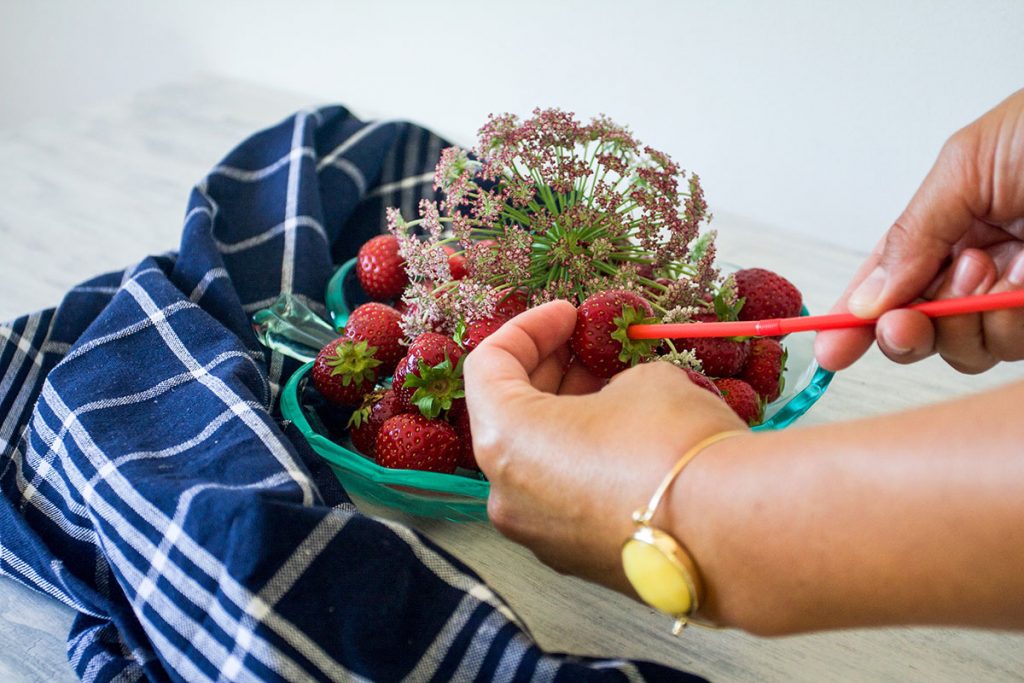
<point x="459" y="497"/>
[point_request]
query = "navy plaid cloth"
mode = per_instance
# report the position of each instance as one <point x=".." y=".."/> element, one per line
<point x="149" y="483"/>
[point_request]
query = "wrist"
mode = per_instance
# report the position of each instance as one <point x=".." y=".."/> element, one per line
<point x="698" y="511"/>
<point x="658" y="566"/>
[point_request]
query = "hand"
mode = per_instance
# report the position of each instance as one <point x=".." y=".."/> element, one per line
<point x="963" y="233"/>
<point x="568" y="459"/>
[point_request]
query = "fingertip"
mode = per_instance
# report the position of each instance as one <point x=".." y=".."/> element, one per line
<point x="866" y="300"/>
<point x="838" y="349"/>
<point x="905" y="336"/>
<point x="519" y="346"/>
<point x="1015" y="272"/>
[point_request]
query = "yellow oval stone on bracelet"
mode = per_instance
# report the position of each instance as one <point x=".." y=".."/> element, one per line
<point x="656" y="566"/>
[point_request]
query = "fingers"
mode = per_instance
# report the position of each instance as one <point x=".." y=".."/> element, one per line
<point x="578" y="380"/>
<point x="499" y="372"/>
<point x="961" y="339"/>
<point x="1004" y="330"/>
<point x="838" y="349"/>
<point x="918" y="244"/>
<point x="905" y="336"/>
<point x="972" y="197"/>
<point x="908" y="336"/>
<point x="970" y="343"/>
<point x="527" y="344"/>
<point x="547" y="376"/>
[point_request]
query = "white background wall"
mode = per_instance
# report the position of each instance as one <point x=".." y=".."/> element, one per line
<point x="821" y="117"/>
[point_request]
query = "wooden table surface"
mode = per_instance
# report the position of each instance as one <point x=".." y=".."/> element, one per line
<point x="84" y="192"/>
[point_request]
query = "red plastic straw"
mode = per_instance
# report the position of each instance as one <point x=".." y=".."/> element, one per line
<point x="832" y="321"/>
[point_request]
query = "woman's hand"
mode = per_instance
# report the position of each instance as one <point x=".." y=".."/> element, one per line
<point x="963" y="233"/>
<point x="568" y="459"/>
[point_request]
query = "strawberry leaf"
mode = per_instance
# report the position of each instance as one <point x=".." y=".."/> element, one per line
<point x="362" y="413"/>
<point x="460" y="333"/>
<point x="727" y="302"/>
<point x="782" y="372"/>
<point x="633" y="350"/>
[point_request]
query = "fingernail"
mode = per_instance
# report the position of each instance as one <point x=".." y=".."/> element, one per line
<point x="891" y="346"/>
<point x="1016" y="275"/>
<point x="968" y="276"/>
<point x="864" y="300"/>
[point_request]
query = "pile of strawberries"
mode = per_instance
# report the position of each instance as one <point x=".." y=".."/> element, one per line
<point x="747" y="373"/>
<point x="419" y="419"/>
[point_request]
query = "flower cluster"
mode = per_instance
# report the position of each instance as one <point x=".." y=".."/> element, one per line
<point x="556" y="208"/>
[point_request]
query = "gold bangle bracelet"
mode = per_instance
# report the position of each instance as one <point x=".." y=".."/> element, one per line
<point x="657" y="565"/>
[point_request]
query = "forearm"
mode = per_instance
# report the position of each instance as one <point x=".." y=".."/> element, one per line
<point x="916" y="517"/>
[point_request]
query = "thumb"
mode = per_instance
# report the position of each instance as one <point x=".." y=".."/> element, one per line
<point x="498" y="371"/>
<point x="922" y="239"/>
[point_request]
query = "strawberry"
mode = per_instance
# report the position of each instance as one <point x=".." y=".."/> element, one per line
<point x="457" y="263"/>
<point x="365" y="423"/>
<point x="430" y="375"/>
<point x="719" y="356"/>
<point x="702" y="381"/>
<point x="511" y="305"/>
<point x="478" y="330"/>
<point x="381" y="269"/>
<point x="379" y="325"/>
<point x="345" y="370"/>
<point x="742" y="398"/>
<point x="459" y="418"/>
<point x="412" y="441"/>
<point x="600" y="341"/>
<point x="765" y="367"/>
<point x="766" y="294"/>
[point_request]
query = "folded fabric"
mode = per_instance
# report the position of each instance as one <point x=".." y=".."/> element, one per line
<point x="149" y="483"/>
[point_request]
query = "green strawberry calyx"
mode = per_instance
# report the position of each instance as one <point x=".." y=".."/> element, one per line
<point x="727" y="301"/>
<point x="436" y="387"/>
<point x="762" y="406"/>
<point x="782" y="371"/>
<point x="354" y="362"/>
<point x="361" y="415"/>
<point x="633" y="350"/>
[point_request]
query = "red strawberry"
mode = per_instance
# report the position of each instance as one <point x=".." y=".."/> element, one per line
<point x="366" y="422"/>
<point x="766" y="294"/>
<point x="764" y="368"/>
<point x="457" y="263"/>
<point x="411" y="441"/>
<point x="478" y="330"/>
<point x="600" y="341"/>
<point x="430" y="375"/>
<point x="742" y="398"/>
<point x="345" y="370"/>
<point x="719" y="356"/>
<point x="702" y="381"/>
<point x="380" y="268"/>
<point x="378" y="325"/>
<point x="511" y="305"/>
<point x="459" y="418"/>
